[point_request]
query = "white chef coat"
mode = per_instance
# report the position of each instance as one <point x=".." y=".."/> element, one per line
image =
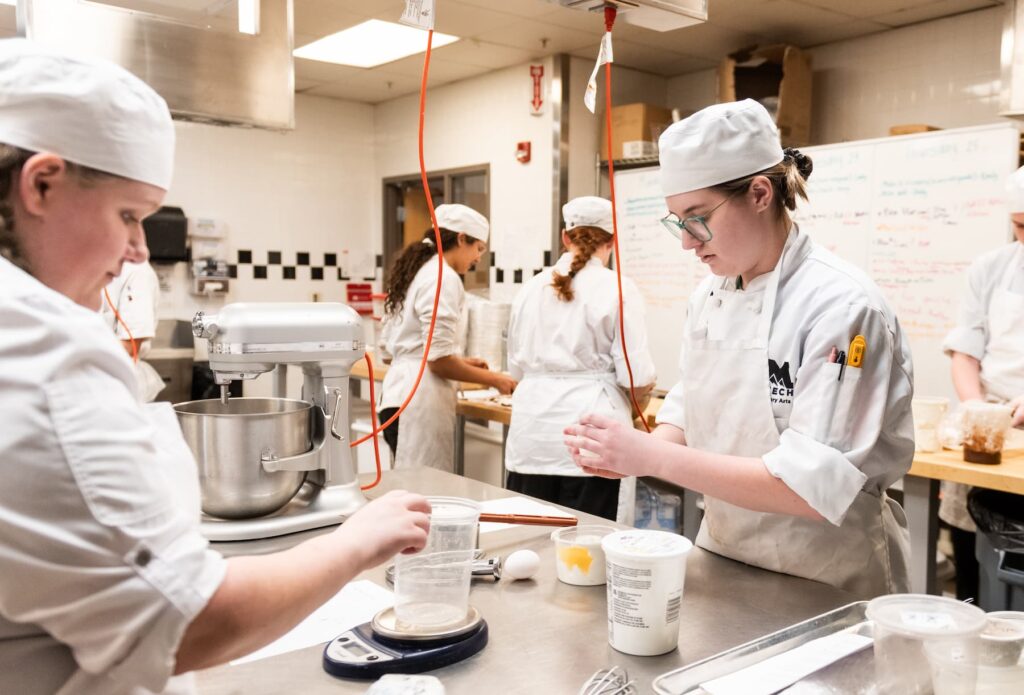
<point x="569" y="360"/>
<point x="1002" y="268"/>
<point x="135" y="294"/>
<point x="103" y="565"/>
<point x="826" y="455"/>
<point x="426" y="432"/>
<point x="995" y="282"/>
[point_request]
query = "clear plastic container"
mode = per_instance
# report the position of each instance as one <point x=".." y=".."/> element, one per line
<point x="928" y="413"/>
<point x="1002" y="640"/>
<point x="432" y="586"/>
<point x="984" y="427"/>
<point x="925" y="644"/>
<point x="579" y="559"/>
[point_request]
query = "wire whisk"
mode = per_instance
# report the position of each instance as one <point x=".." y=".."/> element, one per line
<point x="609" y="681"/>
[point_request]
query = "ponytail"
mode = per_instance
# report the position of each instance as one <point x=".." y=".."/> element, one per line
<point x="788" y="179"/>
<point x="586" y="240"/>
<point x="408" y="262"/>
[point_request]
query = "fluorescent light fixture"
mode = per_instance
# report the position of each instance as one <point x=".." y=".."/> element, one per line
<point x="8" y="2"/>
<point x="249" y="16"/>
<point x="371" y="43"/>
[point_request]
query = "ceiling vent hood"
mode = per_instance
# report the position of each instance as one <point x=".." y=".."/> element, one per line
<point x="659" y="15"/>
<point x="227" y="62"/>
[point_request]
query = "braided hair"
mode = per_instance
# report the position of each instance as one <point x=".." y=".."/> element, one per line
<point x="586" y="240"/>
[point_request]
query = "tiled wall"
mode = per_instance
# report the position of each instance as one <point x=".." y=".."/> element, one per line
<point x="944" y="73"/>
<point x="290" y="202"/>
<point x="479" y="121"/>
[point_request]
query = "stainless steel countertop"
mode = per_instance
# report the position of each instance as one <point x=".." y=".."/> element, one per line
<point x="546" y="636"/>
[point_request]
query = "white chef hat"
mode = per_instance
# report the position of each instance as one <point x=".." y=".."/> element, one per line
<point x="720" y="143"/>
<point x="462" y="219"/>
<point x="88" y="111"/>
<point x="1015" y="191"/>
<point x="588" y="211"/>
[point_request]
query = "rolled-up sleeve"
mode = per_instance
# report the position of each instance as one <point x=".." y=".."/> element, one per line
<point x="970" y="335"/>
<point x="836" y="426"/>
<point x="449" y="313"/>
<point x="96" y="545"/>
<point x="640" y="360"/>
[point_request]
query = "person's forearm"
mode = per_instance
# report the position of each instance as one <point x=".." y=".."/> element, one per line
<point x="263" y="597"/>
<point x="743" y="481"/>
<point x="670" y="433"/>
<point x="642" y="394"/>
<point x="967" y="377"/>
<point x="455" y="368"/>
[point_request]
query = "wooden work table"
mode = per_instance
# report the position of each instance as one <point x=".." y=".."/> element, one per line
<point x="359" y="371"/>
<point x="921" y="501"/>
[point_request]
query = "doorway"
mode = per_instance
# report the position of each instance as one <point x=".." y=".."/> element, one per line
<point x="406" y="216"/>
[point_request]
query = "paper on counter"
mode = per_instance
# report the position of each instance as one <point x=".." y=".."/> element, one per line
<point x="780" y="672"/>
<point x="354" y="605"/>
<point x="478" y="394"/>
<point x="515" y="505"/>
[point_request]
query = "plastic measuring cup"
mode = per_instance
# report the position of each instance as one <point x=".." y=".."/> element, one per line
<point x="925" y="644"/>
<point x="579" y="558"/>
<point x="432" y="586"/>
<point x="928" y="413"/>
<point x="985" y="426"/>
<point x="646" y="571"/>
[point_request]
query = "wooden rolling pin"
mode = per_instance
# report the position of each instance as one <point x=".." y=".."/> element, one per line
<point x="530" y="519"/>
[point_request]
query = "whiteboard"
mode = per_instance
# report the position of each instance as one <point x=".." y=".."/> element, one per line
<point x="912" y="211"/>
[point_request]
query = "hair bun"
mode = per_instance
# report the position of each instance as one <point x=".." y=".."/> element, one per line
<point x="804" y="164"/>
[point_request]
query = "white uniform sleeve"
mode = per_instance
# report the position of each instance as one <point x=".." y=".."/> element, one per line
<point x="834" y="425"/>
<point x="94" y="548"/>
<point x="636" y="340"/>
<point x="449" y="313"/>
<point x="970" y="335"/>
<point x="137" y="302"/>
<point x="515" y="369"/>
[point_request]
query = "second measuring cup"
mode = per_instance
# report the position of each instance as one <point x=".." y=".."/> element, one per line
<point x="432" y="586"/>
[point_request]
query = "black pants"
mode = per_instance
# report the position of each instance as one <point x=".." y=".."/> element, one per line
<point x="966" y="562"/>
<point x="597" y="496"/>
<point x="391" y="433"/>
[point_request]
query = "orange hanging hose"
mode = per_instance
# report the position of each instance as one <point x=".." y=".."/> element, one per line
<point x="440" y="263"/>
<point x="117" y="315"/>
<point x="373" y="423"/>
<point x="609" y="20"/>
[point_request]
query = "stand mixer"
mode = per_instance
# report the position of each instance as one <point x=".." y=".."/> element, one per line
<point x="273" y="466"/>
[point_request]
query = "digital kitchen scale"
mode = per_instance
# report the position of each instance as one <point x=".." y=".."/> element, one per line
<point x="378" y="647"/>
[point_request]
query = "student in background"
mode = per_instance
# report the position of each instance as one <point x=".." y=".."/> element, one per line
<point x="564" y="346"/>
<point x="427" y="433"/>
<point x="135" y="296"/>
<point x="986" y="351"/>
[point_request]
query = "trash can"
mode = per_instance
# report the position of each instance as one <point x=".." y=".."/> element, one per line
<point x="999" y="548"/>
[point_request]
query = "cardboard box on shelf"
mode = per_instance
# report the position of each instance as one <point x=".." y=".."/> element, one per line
<point x="911" y="128"/>
<point x="779" y="77"/>
<point x="632" y="123"/>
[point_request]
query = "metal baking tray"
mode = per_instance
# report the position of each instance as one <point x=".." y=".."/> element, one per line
<point x="852" y="675"/>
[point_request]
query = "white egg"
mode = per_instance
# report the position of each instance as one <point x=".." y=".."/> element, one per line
<point x="522" y="564"/>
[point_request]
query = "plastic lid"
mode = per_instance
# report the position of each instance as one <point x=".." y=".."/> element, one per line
<point x="453" y="509"/>
<point x="926" y="616"/>
<point x="639" y="544"/>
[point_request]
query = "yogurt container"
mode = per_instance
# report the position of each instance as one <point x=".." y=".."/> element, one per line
<point x="646" y="571"/>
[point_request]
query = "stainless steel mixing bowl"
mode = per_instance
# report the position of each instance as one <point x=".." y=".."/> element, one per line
<point x="228" y="440"/>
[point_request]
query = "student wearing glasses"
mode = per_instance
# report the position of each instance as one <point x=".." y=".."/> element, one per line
<point x="792" y="414"/>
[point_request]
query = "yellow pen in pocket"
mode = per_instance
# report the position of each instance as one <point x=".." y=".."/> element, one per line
<point x="858" y="347"/>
